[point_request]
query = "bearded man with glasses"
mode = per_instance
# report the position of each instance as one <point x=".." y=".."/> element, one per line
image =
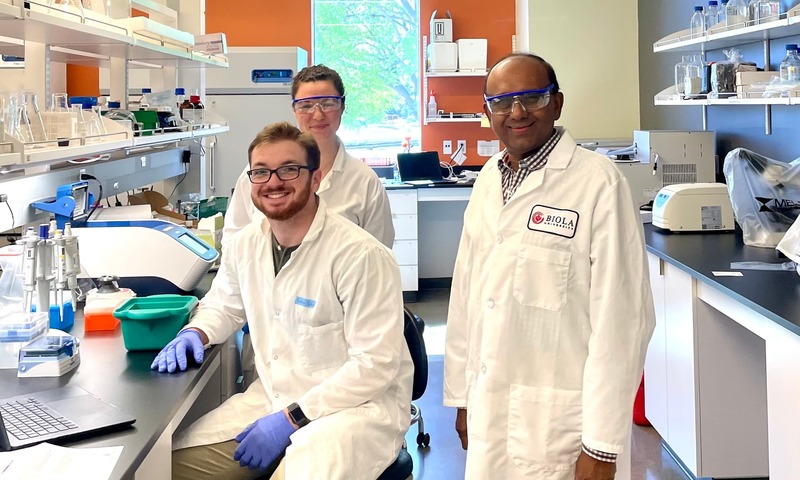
<point x="550" y="310"/>
<point x="325" y="305"/>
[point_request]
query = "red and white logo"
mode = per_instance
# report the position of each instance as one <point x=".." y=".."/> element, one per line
<point x="555" y="221"/>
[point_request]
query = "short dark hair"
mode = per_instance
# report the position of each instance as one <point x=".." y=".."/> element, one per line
<point x="551" y="74"/>
<point x="277" y="132"/>
<point x="317" y="73"/>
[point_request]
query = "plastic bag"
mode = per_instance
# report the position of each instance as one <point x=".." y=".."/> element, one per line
<point x="765" y="195"/>
<point x="790" y="244"/>
<point x="11" y="291"/>
<point x="723" y="74"/>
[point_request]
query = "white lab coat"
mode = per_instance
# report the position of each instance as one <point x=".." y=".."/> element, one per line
<point x="328" y="334"/>
<point x="549" y="317"/>
<point x="351" y="189"/>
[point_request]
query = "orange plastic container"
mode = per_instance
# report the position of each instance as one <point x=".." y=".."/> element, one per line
<point x="98" y="314"/>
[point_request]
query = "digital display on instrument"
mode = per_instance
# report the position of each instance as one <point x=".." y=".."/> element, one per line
<point x="271" y="75"/>
<point x="193" y="244"/>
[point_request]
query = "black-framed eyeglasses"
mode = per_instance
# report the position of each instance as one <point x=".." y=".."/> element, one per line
<point x="285" y="173"/>
<point x="326" y="103"/>
<point x="529" y="100"/>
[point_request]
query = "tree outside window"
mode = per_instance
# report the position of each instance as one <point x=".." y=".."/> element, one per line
<point x="374" y="45"/>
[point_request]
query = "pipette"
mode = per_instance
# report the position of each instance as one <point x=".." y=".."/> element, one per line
<point x="61" y="269"/>
<point x="72" y="264"/>
<point x="44" y="268"/>
<point x="29" y="243"/>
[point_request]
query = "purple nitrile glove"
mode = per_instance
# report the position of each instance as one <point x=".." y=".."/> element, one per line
<point x="263" y="441"/>
<point x="174" y="354"/>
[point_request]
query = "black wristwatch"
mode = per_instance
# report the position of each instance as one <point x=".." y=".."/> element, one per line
<point x="297" y="415"/>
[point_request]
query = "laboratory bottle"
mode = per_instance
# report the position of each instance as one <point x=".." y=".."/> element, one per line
<point x="790" y="65"/>
<point x="736" y="14"/>
<point x="711" y="14"/>
<point x="180" y="96"/>
<point x="722" y="12"/>
<point x="140" y="102"/>
<point x="186" y="110"/>
<point x="694" y="71"/>
<point x="697" y="24"/>
<point x="680" y="74"/>
<point x="768" y="10"/>
<point x="432" y="108"/>
<point x="752" y="11"/>
<point x="199" y="110"/>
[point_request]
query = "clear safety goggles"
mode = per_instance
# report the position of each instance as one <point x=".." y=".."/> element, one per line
<point x="529" y="100"/>
<point x="285" y="173"/>
<point x="326" y="103"/>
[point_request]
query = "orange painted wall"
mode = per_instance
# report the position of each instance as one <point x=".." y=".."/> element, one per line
<point x="494" y="21"/>
<point x="256" y="23"/>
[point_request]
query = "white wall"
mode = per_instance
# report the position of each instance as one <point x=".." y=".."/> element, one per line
<point x="593" y="47"/>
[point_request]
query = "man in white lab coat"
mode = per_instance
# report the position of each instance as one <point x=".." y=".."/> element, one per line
<point x="324" y="302"/>
<point x="550" y="311"/>
<point x="348" y="186"/>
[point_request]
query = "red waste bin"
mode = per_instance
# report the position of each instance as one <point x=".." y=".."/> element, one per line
<point x="638" y="407"/>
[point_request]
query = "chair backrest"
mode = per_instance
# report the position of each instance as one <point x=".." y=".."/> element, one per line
<point x="413" y="328"/>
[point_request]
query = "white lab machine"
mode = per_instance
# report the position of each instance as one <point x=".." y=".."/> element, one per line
<point x="149" y="256"/>
<point x="253" y="92"/>
<point x="695" y="207"/>
<point x="50" y="356"/>
<point x="667" y="157"/>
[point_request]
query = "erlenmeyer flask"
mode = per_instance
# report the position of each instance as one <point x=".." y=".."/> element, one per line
<point x="59" y="120"/>
<point x="31" y="122"/>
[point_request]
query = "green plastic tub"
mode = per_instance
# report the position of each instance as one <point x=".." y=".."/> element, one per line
<point x="150" y="323"/>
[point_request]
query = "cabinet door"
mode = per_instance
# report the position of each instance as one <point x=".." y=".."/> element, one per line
<point x="655" y="366"/>
<point x="682" y="399"/>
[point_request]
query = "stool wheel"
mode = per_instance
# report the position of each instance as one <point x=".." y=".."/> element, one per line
<point x="424" y="440"/>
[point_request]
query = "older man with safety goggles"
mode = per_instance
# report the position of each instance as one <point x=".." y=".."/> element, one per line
<point x="550" y="311"/>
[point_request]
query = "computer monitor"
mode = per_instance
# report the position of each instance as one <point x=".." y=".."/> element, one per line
<point x="419" y="166"/>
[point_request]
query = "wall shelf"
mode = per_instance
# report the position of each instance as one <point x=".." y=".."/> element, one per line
<point x="454" y="120"/>
<point x="481" y="73"/>
<point x="720" y="37"/>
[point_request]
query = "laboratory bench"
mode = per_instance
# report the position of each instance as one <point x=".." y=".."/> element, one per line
<point x="161" y="403"/>
<point x="427" y="220"/>
<point x="722" y="374"/>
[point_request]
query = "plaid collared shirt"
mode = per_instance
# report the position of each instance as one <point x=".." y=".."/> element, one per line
<point x="511" y="179"/>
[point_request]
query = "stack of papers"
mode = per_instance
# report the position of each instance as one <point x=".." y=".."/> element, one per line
<point x="46" y="462"/>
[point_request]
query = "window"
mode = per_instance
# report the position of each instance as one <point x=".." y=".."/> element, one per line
<point x="374" y="45"/>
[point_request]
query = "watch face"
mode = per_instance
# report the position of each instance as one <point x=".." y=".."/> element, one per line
<point x="297" y="415"/>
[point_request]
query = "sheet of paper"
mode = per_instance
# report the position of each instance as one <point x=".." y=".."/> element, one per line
<point x="46" y="462"/>
<point x="727" y="274"/>
<point x="487" y="148"/>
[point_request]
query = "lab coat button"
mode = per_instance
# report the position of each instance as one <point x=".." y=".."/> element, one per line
<point x="276" y="395"/>
<point x="483" y="368"/>
<point x="275" y="357"/>
<point x="499" y="239"/>
<point x="490" y="304"/>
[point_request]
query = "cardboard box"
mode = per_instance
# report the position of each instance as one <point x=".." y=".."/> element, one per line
<point x="471" y="54"/>
<point x="442" y="57"/>
<point x="441" y="28"/>
<point x="211" y="43"/>
<point x="749" y="78"/>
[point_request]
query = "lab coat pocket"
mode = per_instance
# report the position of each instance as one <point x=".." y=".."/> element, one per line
<point x="541" y="277"/>
<point x="321" y="347"/>
<point x="544" y="428"/>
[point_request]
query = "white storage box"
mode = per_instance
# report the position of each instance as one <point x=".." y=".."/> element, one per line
<point x="441" y="28"/>
<point x="442" y="57"/>
<point x="471" y="54"/>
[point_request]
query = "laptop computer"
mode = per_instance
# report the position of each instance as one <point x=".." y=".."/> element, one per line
<point x="420" y="168"/>
<point x="51" y="415"/>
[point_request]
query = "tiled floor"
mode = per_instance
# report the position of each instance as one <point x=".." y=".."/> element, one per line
<point x="444" y="459"/>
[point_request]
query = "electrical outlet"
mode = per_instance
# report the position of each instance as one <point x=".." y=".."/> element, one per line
<point x="461" y="146"/>
<point x="447" y="147"/>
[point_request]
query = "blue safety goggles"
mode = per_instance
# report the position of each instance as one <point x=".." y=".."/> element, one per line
<point x="529" y="100"/>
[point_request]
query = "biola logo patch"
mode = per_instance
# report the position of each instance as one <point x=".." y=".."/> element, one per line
<point x="778" y="204"/>
<point x="556" y="221"/>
